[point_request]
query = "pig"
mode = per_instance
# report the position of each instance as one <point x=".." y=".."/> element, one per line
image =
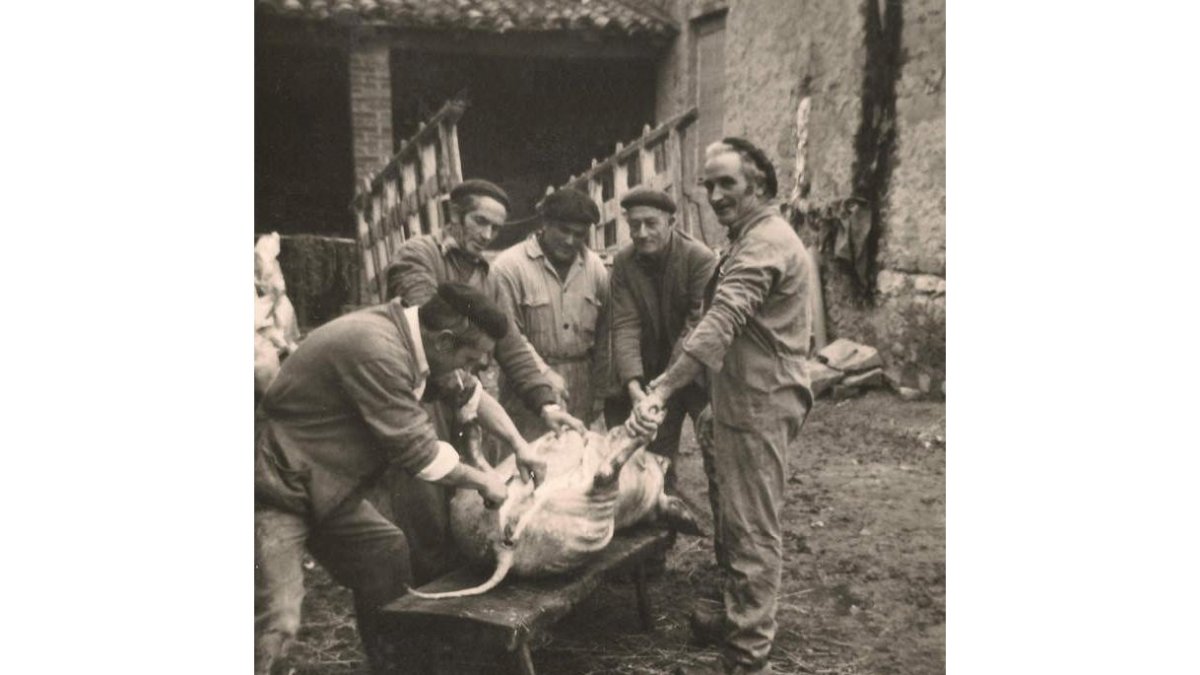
<point x="595" y="485"/>
<point x="275" y="329"/>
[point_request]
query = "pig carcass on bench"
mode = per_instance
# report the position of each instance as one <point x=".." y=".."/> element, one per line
<point x="559" y="540"/>
<point x="450" y="635"/>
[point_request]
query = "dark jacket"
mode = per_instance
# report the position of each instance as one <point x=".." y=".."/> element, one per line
<point x="654" y="303"/>
<point x="423" y="262"/>
<point x="343" y="408"/>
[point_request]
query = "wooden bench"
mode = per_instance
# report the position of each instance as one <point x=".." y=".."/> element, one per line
<point x="434" y="634"/>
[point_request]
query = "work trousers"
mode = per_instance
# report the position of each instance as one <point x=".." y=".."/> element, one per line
<point x="689" y="401"/>
<point x="422" y="509"/>
<point x="747" y="477"/>
<point x="360" y="549"/>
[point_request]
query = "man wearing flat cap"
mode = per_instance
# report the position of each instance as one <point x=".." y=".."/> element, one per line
<point x="658" y="283"/>
<point x="556" y="289"/>
<point x="478" y="208"/>
<point x="751" y="343"/>
<point x="345" y="406"/>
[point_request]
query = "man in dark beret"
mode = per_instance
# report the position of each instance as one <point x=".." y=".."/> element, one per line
<point x="658" y="283"/>
<point x="478" y="208"/>
<point x="344" y="406"/>
<point x="556" y="289"/>
<point x="751" y="342"/>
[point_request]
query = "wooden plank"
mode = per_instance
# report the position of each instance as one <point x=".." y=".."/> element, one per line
<point x="370" y="291"/>
<point x="677" y="122"/>
<point x="620" y="187"/>
<point x="456" y="171"/>
<point x="674" y="156"/>
<point x="521" y="607"/>
<point x="450" y="113"/>
<point x="595" y="190"/>
<point x="381" y="261"/>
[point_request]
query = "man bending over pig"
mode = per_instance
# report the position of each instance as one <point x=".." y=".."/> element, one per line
<point x="343" y="407"/>
<point x="478" y="209"/>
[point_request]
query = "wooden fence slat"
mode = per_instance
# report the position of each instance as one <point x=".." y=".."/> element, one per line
<point x="655" y="160"/>
<point x="405" y="197"/>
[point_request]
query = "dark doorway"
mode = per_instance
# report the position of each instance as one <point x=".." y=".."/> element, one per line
<point x="531" y="122"/>
<point x="303" y="148"/>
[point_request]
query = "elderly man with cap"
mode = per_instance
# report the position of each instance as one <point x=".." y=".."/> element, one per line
<point x="478" y="208"/>
<point x="751" y="342"/>
<point x="658" y="283"/>
<point x="556" y="289"/>
<point x="343" y="407"/>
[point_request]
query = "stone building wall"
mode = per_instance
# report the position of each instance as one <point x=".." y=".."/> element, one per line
<point x="848" y="99"/>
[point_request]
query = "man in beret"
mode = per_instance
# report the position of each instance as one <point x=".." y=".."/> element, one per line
<point x="556" y="289"/>
<point x="478" y="208"/>
<point x="345" y="405"/>
<point x="658" y="283"/>
<point x="751" y="342"/>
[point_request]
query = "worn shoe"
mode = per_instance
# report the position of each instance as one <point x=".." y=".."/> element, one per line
<point x="708" y="626"/>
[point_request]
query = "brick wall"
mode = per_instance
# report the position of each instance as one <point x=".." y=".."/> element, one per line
<point x="370" y="108"/>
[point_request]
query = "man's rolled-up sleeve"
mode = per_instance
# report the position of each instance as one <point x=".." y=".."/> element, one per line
<point x="516" y="356"/>
<point x="391" y="411"/>
<point x="749" y="277"/>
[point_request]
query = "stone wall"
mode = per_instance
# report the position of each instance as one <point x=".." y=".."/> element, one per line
<point x="847" y="97"/>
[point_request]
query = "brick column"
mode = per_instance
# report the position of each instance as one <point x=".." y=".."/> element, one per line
<point x="370" y="107"/>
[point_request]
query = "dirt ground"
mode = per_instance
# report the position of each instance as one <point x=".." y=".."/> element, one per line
<point x="864" y="582"/>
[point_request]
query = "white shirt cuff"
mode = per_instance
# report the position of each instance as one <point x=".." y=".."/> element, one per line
<point x="442" y="464"/>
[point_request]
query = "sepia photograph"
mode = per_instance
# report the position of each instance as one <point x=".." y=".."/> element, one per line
<point x="599" y="336"/>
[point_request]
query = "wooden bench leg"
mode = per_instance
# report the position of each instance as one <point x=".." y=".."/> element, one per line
<point x="643" y="598"/>
<point x="524" y="660"/>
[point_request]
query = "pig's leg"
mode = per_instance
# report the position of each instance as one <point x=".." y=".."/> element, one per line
<point x="473" y="436"/>
<point x="678" y="516"/>
<point x="621" y="445"/>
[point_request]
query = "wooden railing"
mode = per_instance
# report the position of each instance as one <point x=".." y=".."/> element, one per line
<point x="408" y="196"/>
<point x="654" y="160"/>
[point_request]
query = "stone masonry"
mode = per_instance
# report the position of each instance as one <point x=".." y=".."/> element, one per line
<point x="848" y="99"/>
